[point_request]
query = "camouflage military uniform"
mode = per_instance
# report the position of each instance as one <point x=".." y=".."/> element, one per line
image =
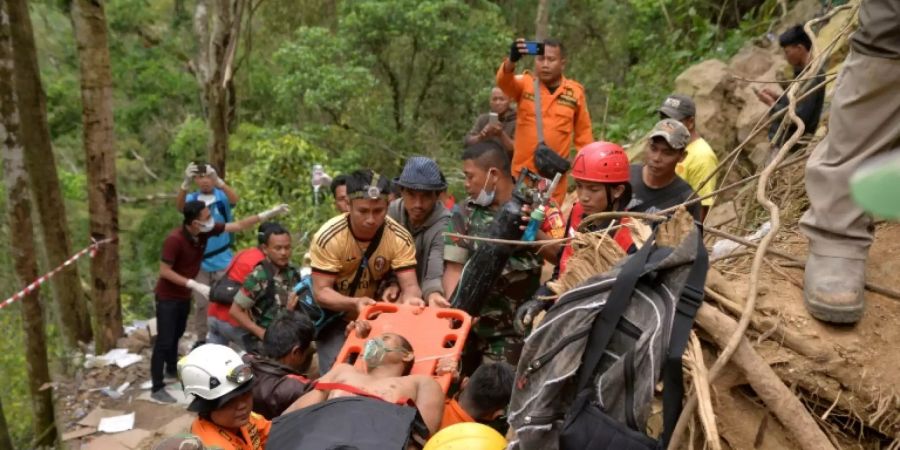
<point x="495" y="338"/>
<point x="252" y="297"/>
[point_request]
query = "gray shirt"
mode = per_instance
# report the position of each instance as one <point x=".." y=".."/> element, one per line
<point x="429" y="244"/>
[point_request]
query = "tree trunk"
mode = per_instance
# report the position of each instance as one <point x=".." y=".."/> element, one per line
<point x="5" y="440"/>
<point x="215" y="59"/>
<point x="89" y="23"/>
<point x="40" y="164"/>
<point x="541" y="22"/>
<point x="21" y="230"/>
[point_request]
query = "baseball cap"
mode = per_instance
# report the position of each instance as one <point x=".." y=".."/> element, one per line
<point x="673" y="131"/>
<point x="678" y="107"/>
<point x="421" y="174"/>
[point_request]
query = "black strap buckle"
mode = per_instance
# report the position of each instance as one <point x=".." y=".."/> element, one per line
<point x="690" y="300"/>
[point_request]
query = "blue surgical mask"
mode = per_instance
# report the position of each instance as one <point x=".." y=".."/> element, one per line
<point x="486" y="198"/>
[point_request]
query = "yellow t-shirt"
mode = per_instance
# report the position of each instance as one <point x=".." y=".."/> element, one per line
<point x="700" y="161"/>
<point x="336" y="252"/>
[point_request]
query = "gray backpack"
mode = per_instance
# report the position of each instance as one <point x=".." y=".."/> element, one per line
<point x="587" y="373"/>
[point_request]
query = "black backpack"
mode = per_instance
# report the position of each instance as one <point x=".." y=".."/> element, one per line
<point x="588" y="371"/>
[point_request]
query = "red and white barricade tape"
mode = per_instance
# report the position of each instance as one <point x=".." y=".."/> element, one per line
<point x="91" y="249"/>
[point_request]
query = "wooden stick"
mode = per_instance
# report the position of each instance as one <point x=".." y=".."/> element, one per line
<point x="773" y="392"/>
<point x="699" y="374"/>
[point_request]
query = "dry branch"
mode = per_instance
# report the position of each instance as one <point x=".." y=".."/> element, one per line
<point x="773" y="392"/>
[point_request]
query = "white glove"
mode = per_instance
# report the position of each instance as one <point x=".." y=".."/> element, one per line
<point x="276" y="211"/>
<point x="199" y="288"/>
<point x="189" y="174"/>
<point x="211" y="172"/>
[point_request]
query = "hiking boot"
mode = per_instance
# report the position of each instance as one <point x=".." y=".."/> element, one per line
<point x="833" y="288"/>
<point x="163" y="397"/>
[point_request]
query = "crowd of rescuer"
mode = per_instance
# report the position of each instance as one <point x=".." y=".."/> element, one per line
<point x="389" y="358"/>
<point x="285" y="358"/>
<point x="499" y="125"/>
<point x="700" y="162"/>
<point x="337" y="252"/>
<point x="655" y="185"/>
<point x="601" y="172"/>
<point x="489" y="185"/>
<point x="221" y="199"/>
<point x="182" y="253"/>
<point x="257" y="303"/>
<point x="563" y="105"/>
<point x="223" y="328"/>
<point x="420" y="211"/>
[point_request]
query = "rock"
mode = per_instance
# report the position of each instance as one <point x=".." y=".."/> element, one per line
<point x="711" y="86"/>
<point x="136" y="341"/>
<point x="755" y="63"/>
<point x="178" y="425"/>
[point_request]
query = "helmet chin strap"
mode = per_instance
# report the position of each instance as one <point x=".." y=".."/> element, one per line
<point x="609" y="198"/>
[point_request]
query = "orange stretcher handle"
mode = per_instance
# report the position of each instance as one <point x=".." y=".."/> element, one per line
<point x="434" y="333"/>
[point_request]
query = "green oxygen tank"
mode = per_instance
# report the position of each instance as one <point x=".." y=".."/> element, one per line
<point x="875" y="186"/>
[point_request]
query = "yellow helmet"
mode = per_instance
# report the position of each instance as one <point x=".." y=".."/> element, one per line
<point x="466" y="436"/>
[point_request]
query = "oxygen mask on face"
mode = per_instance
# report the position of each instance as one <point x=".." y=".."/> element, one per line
<point x="375" y="350"/>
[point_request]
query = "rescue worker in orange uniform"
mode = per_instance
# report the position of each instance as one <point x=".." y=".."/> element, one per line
<point x="222" y="386"/>
<point x="564" y="111"/>
<point x="601" y="173"/>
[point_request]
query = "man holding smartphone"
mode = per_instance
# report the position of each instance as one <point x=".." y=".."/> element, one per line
<point x="564" y="110"/>
<point x="499" y="125"/>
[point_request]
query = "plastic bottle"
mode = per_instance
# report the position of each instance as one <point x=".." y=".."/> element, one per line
<point x="537" y="219"/>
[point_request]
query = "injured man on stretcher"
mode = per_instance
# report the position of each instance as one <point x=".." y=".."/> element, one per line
<point x="389" y="359"/>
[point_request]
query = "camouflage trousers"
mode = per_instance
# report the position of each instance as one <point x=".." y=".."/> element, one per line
<point x="493" y="337"/>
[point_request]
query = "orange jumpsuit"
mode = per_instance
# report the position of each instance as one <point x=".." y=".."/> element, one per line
<point x="253" y="435"/>
<point x="564" y="114"/>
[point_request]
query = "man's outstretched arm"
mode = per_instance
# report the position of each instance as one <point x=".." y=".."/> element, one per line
<point x="430" y="401"/>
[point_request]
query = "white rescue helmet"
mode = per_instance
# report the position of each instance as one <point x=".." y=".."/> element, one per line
<point x="213" y="371"/>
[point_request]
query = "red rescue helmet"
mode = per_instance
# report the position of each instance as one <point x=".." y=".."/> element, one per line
<point x="601" y="162"/>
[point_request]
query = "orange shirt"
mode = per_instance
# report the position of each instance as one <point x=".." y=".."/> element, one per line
<point x="253" y="435"/>
<point x="454" y="414"/>
<point x="564" y="114"/>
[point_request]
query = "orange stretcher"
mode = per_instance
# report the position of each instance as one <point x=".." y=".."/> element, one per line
<point x="434" y="333"/>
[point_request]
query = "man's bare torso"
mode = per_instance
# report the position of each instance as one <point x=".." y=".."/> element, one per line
<point x="391" y="389"/>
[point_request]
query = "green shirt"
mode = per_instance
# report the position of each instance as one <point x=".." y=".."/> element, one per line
<point x="253" y="296"/>
<point x="474" y="220"/>
<point x="519" y="281"/>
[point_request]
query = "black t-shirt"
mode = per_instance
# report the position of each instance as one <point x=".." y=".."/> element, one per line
<point x="650" y="200"/>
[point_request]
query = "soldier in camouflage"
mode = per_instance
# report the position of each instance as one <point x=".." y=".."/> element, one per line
<point x="489" y="185"/>
<point x="268" y="288"/>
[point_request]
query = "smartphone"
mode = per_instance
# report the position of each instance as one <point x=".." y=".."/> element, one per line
<point x="534" y="48"/>
<point x="493" y="118"/>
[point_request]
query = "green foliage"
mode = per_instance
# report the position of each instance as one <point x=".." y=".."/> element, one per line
<point x="73" y="185"/>
<point x="280" y="172"/>
<point x="189" y="143"/>
<point x="362" y="83"/>
<point x="393" y="77"/>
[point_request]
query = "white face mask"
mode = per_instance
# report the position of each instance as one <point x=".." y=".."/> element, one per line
<point x="207" y="226"/>
<point x="485" y="198"/>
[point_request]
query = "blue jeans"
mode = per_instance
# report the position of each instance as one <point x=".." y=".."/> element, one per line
<point x="222" y="333"/>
